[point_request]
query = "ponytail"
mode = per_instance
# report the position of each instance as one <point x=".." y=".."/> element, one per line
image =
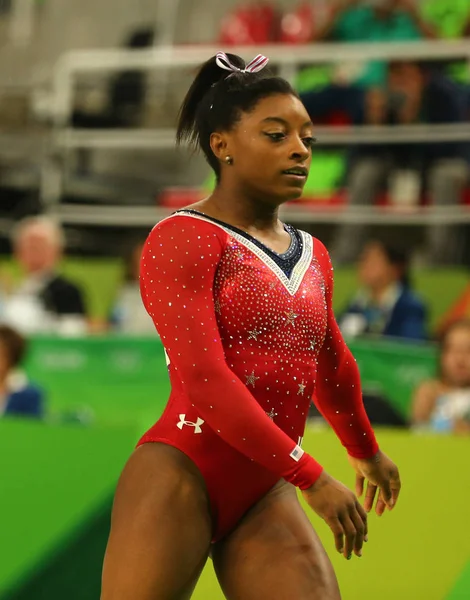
<point x="208" y="76"/>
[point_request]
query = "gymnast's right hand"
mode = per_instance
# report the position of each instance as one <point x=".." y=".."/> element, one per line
<point x="340" y="509"/>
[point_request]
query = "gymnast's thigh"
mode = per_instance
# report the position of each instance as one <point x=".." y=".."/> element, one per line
<point x="275" y="553"/>
<point x="161" y="528"/>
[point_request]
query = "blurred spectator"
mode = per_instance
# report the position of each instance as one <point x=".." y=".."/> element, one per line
<point x="125" y="106"/>
<point x="44" y="302"/>
<point x="17" y="396"/>
<point x="378" y="21"/>
<point x="127" y="92"/>
<point x="251" y="23"/>
<point x="298" y="24"/>
<point x="414" y="95"/>
<point x="443" y="404"/>
<point x="129" y="315"/>
<point x="386" y="304"/>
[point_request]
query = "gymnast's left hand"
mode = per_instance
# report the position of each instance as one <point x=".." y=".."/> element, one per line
<point x="382" y="476"/>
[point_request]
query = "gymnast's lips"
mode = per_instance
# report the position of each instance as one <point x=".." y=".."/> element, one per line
<point x="297" y="172"/>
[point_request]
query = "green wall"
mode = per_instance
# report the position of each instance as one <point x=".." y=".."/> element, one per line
<point x="57" y="483"/>
<point x="117" y="377"/>
<point x="52" y="479"/>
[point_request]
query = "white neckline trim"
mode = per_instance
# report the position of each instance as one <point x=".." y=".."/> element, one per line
<point x="291" y="283"/>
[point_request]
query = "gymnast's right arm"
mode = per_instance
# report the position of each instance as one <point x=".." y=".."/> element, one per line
<point x="178" y="266"/>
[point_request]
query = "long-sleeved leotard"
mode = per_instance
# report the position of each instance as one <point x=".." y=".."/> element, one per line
<point x="248" y="346"/>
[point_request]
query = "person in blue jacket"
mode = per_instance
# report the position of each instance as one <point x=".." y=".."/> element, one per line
<point x="386" y="304"/>
<point x="17" y="396"/>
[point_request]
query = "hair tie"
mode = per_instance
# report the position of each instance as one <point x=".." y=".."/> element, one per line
<point x="257" y="64"/>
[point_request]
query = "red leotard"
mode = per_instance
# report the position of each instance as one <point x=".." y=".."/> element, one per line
<point x="247" y="347"/>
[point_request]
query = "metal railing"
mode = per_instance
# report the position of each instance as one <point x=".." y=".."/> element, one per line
<point x="288" y="59"/>
<point x="142" y="216"/>
<point x="161" y="139"/>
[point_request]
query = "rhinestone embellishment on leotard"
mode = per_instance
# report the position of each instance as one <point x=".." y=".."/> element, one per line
<point x="251" y="379"/>
<point x="244" y="325"/>
<point x="291" y="317"/>
<point x="271" y="414"/>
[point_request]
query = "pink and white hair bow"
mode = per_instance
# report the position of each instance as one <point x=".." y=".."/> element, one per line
<point x="257" y="64"/>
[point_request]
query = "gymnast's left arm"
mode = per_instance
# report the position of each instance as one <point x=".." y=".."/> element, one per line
<point x="338" y="396"/>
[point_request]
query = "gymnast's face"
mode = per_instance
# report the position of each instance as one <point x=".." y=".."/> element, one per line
<point x="271" y="149"/>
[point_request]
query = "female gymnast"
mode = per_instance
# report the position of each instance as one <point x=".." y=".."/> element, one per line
<point x="243" y="306"/>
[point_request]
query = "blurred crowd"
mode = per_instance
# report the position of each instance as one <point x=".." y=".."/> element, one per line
<point x="375" y="92"/>
<point x="442" y="404"/>
<point x="368" y="92"/>
<point x="41" y="300"/>
<point x="44" y="301"/>
<point x="262" y="22"/>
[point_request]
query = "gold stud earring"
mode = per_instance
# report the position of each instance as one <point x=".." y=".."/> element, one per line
<point x="229" y="160"/>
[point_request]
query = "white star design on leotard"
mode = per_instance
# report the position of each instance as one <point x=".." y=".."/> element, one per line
<point x="272" y="414"/>
<point x="291" y="316"/>
<point x="251" y="379"/>
<point x="302" y="387"/>
<point x="312" y="345"/>
<point x="253" y="335"/>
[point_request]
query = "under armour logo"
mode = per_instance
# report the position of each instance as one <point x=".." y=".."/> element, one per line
<point x="196" y="425"/>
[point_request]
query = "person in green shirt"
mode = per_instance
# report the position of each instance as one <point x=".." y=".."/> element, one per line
<point x="374" y="21"/>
